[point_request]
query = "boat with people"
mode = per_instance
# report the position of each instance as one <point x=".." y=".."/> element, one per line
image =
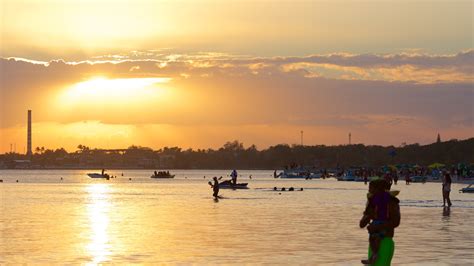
<point x="468" y="189"/>
<point x="229" y="185"/>
<point x="99" y="175"/>
<point x="162" y="174"/>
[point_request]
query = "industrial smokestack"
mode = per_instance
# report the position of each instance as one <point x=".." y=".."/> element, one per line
<point x="28" y="149"/>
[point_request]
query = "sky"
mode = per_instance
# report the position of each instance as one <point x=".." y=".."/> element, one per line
<point x="196" y="74"/>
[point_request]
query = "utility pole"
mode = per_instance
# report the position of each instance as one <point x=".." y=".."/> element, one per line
<point x="349" y="138"/>
<point x="29" y="151"/>
<point x="301" y="137"/>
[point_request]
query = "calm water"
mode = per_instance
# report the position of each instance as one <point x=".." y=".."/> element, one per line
<point x="81" y="220"/>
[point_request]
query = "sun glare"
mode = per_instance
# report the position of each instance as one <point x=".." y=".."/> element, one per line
<point x="113" y="91"/>
<point x="98" y="210"/>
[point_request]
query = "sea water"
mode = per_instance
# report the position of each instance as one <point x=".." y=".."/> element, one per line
<point x="136" y="219"/>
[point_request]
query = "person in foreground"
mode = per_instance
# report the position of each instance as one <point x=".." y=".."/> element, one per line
<point x="382" y="214"/>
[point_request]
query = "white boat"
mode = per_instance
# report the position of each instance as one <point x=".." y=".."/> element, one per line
<point x="97" y="175"/>
<point x="300" y="173"/>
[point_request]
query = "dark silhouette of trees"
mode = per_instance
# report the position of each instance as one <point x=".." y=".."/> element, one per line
<point x="233" y="154"/>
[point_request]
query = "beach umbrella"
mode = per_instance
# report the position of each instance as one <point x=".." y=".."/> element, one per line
<point x="436" y="165"/>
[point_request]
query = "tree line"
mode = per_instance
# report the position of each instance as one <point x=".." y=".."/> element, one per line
<point x="233" y="154"/>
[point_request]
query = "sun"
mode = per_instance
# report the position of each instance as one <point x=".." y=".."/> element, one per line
<point x="105" y="91"/>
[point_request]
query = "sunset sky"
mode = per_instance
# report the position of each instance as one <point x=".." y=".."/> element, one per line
<point x="195" y="74"/>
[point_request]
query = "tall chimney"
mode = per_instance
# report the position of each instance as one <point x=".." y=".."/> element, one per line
<point x="28" y="149"/>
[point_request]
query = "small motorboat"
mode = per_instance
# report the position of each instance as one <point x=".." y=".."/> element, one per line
<point x="468" y="189"/>
<point x="228" y="185"/>
<point x="97" y="175"/>
<point x="301" y="173"/>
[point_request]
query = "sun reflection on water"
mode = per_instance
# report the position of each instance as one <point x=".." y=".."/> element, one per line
<point x="98" y="213"/>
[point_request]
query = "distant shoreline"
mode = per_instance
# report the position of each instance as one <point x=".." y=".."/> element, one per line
<point x="401" y="181"/>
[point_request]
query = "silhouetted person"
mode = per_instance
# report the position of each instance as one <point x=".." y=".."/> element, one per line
<point x="233" y="175"/>
<point x="383" y="214"/>
<point x="388" y="179"/>
<point x="446" y="190"/>
<point x="215" y="187"/>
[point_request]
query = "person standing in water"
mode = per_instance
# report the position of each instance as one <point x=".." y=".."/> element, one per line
<point x="446" y="190"/>
<point x="382" y="215"/>
<point x="215" y="187"/>
<point x="234" y="177"/>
